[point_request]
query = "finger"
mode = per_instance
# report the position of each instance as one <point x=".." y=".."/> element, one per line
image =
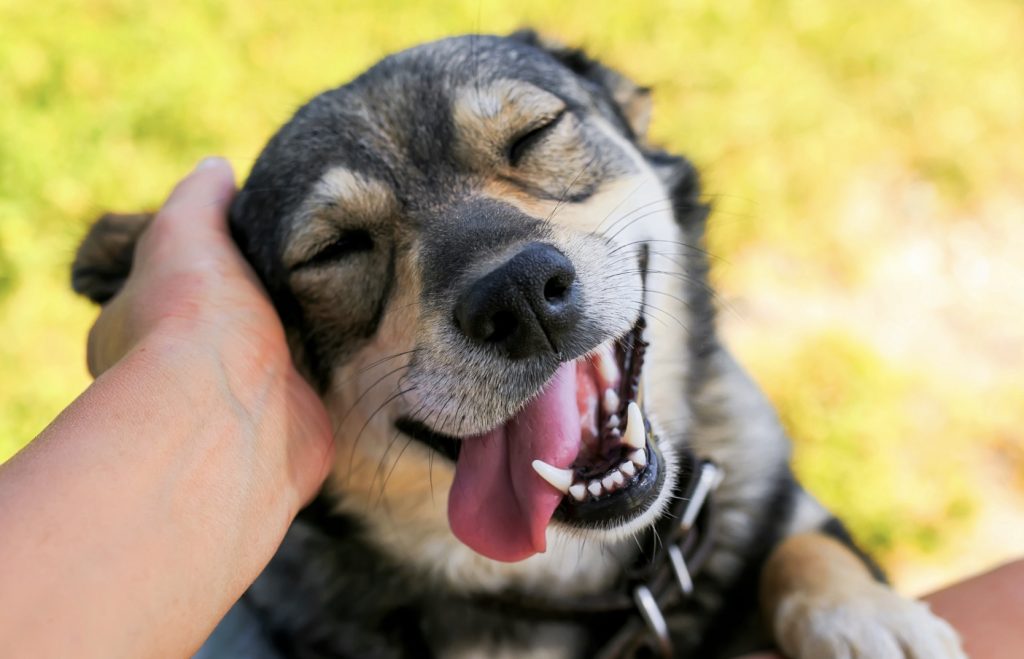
<point x="196" y="208"/>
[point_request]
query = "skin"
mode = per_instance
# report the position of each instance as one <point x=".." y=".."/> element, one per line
<point x="141" y="514"/>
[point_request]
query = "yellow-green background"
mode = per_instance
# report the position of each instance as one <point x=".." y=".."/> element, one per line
<point x="864" y="159"/>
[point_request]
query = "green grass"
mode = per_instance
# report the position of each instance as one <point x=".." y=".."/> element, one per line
<point x="104" y="104"/>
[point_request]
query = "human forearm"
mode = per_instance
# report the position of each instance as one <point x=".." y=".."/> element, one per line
<point x="168" y="468"/>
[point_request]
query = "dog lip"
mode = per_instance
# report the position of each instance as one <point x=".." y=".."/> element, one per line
<point x="446" y="445"/>
<point x="622" y="505"/>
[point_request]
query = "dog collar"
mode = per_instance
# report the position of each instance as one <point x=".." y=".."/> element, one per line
<point x="661" y="578"/>
<point x="631" y="616"/>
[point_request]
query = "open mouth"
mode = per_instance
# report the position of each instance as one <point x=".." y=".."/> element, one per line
<point x="581" y="452"/>
<point x="617" y="473"/>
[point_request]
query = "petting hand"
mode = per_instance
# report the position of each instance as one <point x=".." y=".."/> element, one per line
<point x="142" y="513"/>
<point x="189" y="285"/>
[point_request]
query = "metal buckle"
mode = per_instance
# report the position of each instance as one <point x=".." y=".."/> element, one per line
<point x="710" y="476"/>
<point x="646" y="602"/>
<point x="654" y="618"/>
<point x="683" y="578"/>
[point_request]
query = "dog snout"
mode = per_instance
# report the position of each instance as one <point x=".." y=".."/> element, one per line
<point x="525" y="307"/>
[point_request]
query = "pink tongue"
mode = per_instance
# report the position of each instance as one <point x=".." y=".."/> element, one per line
<point x="498" y="505"/>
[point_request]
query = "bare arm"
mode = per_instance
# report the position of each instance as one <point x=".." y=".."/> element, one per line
<point x="135" y="520"/>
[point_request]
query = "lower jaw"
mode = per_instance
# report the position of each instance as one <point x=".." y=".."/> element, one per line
<point x="622" y="506"/>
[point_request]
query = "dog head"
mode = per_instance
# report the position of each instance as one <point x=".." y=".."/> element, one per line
<point x="484" y="269"/>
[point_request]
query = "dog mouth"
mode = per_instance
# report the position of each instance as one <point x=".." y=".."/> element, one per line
<point x="581" y="453"/>
<point x="618" y="471"/>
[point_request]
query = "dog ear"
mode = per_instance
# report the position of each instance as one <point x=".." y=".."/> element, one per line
<point x="631" y="101"/>
<point x="104" y="258"/>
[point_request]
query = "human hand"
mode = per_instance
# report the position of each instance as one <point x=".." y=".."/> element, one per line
<point x="181" y="468"/>
<point x="190" y="290"/>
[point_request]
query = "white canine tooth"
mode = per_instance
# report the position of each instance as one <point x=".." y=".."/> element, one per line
<point x="611" y="401"/>
<point x="578" y="491"/>
<point x="560" y="479"/>
<point x="628" y="468"/>
<point x="638" y="458"/>
<point x="635" y="434"/>
<point x="595" y="488"/>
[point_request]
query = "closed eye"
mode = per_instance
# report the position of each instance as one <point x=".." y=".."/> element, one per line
<point x="524" y="141"/>
<point x="354" y="241"/>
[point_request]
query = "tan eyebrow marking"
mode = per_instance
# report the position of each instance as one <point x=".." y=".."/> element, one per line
<point x="488" y="116"/>
<point x="340" y="199"/>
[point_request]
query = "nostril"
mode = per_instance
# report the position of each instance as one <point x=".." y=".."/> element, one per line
<point x="555" y="289"/>
<point x="525" y="306"/>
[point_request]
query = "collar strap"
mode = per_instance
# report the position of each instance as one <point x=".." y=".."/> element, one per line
<point x="661" y="578"/>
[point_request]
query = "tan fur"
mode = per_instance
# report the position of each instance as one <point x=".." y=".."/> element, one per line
<point x="821" y="601"/>
<point x="634" y="101"/>
<point x="487" y="117"/>
<point x="341" y="199"/>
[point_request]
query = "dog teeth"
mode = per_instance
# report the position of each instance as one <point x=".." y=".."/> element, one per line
<point x="606" y="366"/>
<point x="610" y="402"/>
<point x="613" y="481"/>
<point x="634" y="435"/>
<point x="560" y="479"/>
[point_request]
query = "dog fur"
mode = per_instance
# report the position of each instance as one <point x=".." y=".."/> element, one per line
<point x="364" y="216"/>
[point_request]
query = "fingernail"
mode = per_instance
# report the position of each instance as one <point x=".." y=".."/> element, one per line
<point x="210" y="162"/>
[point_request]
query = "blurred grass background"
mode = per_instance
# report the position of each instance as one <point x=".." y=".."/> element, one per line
<point x="864" y="161"/>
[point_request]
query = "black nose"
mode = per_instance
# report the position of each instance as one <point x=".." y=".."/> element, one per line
<point x="526" y="306"/>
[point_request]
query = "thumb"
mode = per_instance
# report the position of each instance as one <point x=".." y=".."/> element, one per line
<point x="197" y="205"/>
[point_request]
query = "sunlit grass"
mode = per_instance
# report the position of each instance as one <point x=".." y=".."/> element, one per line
<point x="103" y="104"/>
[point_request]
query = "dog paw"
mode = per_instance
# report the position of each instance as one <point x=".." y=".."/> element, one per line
<point x="875" y="624"/>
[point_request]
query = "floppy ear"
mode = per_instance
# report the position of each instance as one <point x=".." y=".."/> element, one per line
<point x="104" y="258"/>
<point x="631" y="101"/>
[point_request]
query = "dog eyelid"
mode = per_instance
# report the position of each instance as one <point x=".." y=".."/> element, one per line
<point x="524" y="140"/>
<point x="348" y="243"/>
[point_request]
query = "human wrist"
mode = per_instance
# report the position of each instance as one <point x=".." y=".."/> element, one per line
<point x="237" y="399"/>
<point x="160" y="466"/>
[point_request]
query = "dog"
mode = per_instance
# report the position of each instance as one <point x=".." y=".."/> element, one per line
<point x="498" y="287"/>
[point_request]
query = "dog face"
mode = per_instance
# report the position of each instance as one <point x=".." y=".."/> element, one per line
<point x="464" y="243"/>
<point x="479" y="264"/>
